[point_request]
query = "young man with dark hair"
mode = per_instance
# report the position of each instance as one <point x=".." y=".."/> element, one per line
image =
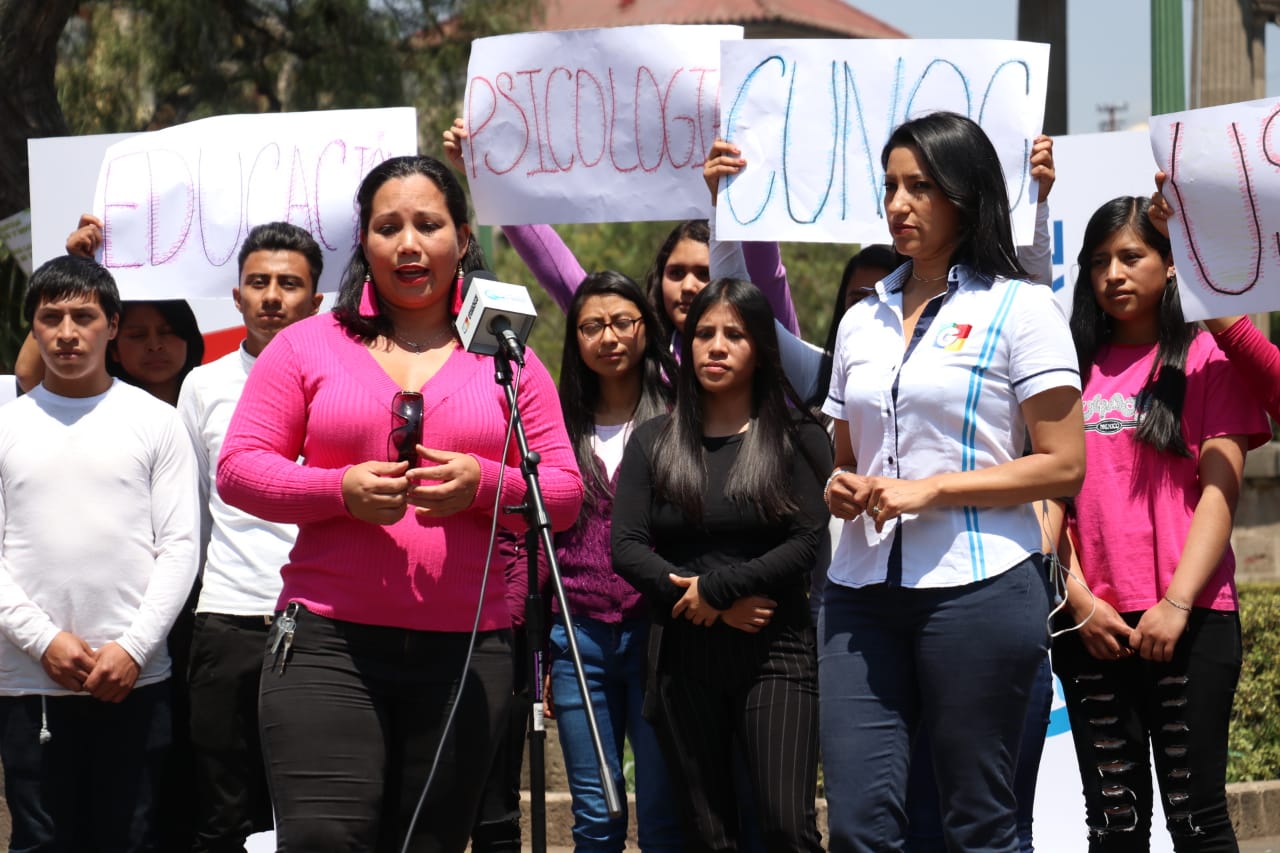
<point x="98" y="549"/>
<point x="280" y="266"/>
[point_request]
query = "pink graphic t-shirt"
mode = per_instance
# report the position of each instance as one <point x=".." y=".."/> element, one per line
<point x="1135" y="508"/>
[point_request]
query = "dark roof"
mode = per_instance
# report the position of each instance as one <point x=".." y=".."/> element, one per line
<point x="837" y="16"/>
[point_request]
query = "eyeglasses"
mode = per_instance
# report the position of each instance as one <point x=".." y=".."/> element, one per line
<point x="623" y="327"/>
<point x="406" y="435"/>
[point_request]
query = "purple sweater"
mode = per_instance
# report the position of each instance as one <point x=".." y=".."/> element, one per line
<point x="593" y="588"/>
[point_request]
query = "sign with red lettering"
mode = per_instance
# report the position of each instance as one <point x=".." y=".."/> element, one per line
<point x="1223" y="163"/>
<point x="608" y="125"/>
<point x="177" y="203"/>
<point x="811" y="117"/>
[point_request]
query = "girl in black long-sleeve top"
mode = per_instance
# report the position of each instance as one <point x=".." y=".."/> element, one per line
<point x="718" y="514"/>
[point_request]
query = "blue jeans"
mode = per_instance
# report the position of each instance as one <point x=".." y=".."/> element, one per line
<point x="924" y="815"/>
<point x="958" y="662"/>
<point x="613" y="661"/>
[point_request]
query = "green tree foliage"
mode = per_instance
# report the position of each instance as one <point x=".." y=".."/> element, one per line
<point x="1254" y="745"/>
<point x="131" y="65"/>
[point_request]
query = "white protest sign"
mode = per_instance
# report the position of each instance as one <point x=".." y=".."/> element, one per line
<point x="1224" y="182"/>
<point x="812" y="115"/>
<point x="15" y="235"/>
<point x="177" y="203"/>
<point x="608" y="125"/>
<point x="63" y="170"/>
<point x="62" y="173"/>
<point x="1092" y="169"/>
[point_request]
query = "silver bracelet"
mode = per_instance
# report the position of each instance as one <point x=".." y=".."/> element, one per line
<point x="826" y="490"/>
<point x="1184" y="608"/>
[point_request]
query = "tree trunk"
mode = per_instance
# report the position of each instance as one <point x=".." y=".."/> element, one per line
<point x="29" y="99"/>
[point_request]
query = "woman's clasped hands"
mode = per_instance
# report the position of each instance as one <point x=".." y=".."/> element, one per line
<point x="850" y="494"/>
<point x="381" y="492"/>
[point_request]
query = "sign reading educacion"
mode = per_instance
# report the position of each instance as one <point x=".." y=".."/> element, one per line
<point x="177" y="203"/>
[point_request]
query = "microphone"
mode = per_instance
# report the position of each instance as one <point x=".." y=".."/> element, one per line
<point x="495" y="315"/>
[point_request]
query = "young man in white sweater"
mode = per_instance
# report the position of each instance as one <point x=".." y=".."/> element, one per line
<point x="280" y="266"/>
<point x="98" y="549"/>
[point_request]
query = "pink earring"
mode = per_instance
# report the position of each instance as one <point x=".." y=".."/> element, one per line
<point x="368" y="302"/>
<point x="457" y="292"/>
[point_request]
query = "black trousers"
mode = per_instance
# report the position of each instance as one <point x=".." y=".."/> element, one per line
<point x="1182" y="708"/>
<point x="231" y="800"/>
<point x="92" y="788"/>
<point x="351" y="724"/>
<point x="497" y="828"/>
<point x="718" y="687"/>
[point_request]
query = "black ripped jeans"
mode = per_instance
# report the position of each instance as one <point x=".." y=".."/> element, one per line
<point x="1181" y="708"/>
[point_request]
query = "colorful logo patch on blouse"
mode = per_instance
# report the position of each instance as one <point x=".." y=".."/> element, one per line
<point x="952" y="337"/>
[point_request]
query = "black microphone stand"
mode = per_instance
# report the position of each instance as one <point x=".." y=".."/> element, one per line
<point x="534" y="510"/>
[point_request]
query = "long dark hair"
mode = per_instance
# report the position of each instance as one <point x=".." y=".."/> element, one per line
<point x="178" y="314"/>
<point x="876" y="255"/>
<point x="960" y="158"/>
<point x="580" y="385"/>
<point x="759" y="476"/>
<point x="694" y="229"/>
<point x="351" y="287"/>
<point x="1162" y="395"/>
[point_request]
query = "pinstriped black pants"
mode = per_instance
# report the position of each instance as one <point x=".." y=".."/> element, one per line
<point x="718" y="685"/>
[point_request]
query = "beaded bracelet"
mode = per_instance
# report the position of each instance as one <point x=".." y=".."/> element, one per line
<point x="1184" y="608"/>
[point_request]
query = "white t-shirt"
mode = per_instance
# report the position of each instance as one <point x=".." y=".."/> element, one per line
<point x="608" y="442"/>
<point x="242" y="554"/>
<point x="99" y="528"/>
<point x="992" y="345"/>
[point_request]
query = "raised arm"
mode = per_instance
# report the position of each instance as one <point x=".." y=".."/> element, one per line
<point x="761" y="262"/>
<point x="1037" y="259"/>
<point x="1253" y="356"/>
<point x="553" y="265"/>
<point x="551" y="262"/>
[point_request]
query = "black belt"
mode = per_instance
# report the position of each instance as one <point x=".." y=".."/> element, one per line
<point x="262" y="621"/>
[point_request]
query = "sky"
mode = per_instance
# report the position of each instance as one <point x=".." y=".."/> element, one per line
<point x="1108" y="47"/>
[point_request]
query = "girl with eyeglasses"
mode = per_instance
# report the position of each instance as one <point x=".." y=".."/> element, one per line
<point x="387" y="580"/>
<point x="613" y="377"/>
<point x="1149" y="650"/>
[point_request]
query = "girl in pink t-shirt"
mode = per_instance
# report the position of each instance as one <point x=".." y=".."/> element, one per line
<point x="1155" y="654"/>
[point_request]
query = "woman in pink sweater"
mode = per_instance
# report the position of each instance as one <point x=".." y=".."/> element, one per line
<point x="402" y="436"/>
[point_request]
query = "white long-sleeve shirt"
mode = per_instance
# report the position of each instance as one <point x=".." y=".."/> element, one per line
<point x="99" y="528"/>
<point x="243" y="553"/>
